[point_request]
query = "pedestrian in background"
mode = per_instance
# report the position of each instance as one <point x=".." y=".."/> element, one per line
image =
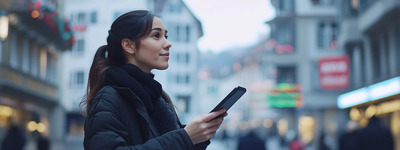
<point x="43" y="142"/>
<point x="375" y="136"/>
<point x="349" y="141"/>
<point x="296" y="143"/>
<point x="14" y="139"/>
<point x="251" y="141"/>
<point x="127" y="108"/>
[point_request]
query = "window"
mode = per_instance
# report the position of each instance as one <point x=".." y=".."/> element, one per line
<point x="187" y="79"/>
<point x="182" y="79"/>
<point x="187" y="57"/>
<point x="326" y="35"/>
<point x="14" y="50"/>
<point x="93" y="17"/>
<point x="177" y="38"/>
<point x="182" y="58"/>
<point x="187" y="33"/>
<point x="26" y="55"/>
<point x="79" y="47"/>
<point x="175" y="8"/>
<point x="212" y="90"/>
<point x="77" y="79"/>
<point x="34" y="63"/>
<point x="286" y="74"/>
<point x="81" y="18"/>
<point x="184" y="103"/>
<point x="50" y="69"/>
<point x="286" y="5"/>
<point x="284" y="35"/>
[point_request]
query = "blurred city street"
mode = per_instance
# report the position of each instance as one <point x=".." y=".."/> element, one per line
<point x="319" y="74"/>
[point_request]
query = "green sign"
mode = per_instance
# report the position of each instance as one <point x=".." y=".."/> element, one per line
<point x="284" y="96"/>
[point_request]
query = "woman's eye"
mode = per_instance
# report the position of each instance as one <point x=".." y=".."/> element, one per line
<point x="157" y="35"/>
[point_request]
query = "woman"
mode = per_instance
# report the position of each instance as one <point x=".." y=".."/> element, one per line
<point x="127" y="108"/>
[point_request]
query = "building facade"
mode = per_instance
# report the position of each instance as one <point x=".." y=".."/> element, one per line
<point x="33" y="36"/>
<point x="370" y="35"/>
<point x="303" y="37"/>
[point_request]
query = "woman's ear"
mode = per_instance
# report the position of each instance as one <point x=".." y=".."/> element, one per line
<point x="128" y="46"/>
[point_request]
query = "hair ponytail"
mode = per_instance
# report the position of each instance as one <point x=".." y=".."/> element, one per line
<point x="99" y="66"/>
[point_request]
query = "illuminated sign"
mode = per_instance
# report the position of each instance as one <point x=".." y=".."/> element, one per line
<point x="285" y="95"/>
<point x="371" y="93"/>
<point x="334" y="73"/>
<point x="272" y="44"/>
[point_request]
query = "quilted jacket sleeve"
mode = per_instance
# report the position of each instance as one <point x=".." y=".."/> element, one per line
<point x="105" y="131"/>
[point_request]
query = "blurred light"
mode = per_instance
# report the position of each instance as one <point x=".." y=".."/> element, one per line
<point x="31" y="126"/>
<point x="237" y="66"/>
<point x="371" y="93"/>
<point x="34" y="126"/>
<point x="268" y="123"/>
<point x="283" y="126"/>
<point x="355" y="114"/>
<point x="3" y="26"/>
<point x="371" y="111"/>
<point x="6" y="111"/>
<point x="244" y="125"/>
<point x="255" y="123"/>
<point x="352" y="98"/>
<point x="35" y="14"/>
<point x="306" y="128"/>
<point x="13" y="19"/>
<point x="204" y="75"/>
<point x="41" y="127"/>
<point x="385" y="88"/>
<point x="355" y="4"/>
<point x="395" y="123"/>
<point x="388" y="107"/>
<point x="363" y="122"/>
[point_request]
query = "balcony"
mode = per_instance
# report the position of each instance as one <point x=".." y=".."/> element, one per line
<point x="13" y="82"/>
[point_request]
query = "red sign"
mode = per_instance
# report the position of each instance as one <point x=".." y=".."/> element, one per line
<point x="334" y="72"/>
<point x="78" y="28"/>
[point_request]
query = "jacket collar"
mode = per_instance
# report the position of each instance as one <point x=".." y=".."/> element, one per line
<point x="127" y="94"/>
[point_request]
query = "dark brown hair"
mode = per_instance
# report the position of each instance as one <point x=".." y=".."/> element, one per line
<point x="132" y="25"/>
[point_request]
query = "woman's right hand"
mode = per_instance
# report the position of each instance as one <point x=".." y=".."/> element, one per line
<point x="203" y="127"/>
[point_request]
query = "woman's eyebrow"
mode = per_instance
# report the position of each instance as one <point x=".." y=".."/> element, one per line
<point x="159" y="29"/>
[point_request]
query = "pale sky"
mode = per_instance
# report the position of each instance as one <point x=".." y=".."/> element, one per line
<point x="231" y="23"/>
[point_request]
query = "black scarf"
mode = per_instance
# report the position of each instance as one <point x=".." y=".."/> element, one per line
<point x="148" y="90"/>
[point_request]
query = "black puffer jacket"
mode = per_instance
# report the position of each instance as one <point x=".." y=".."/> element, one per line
<point x="117" y="119"/>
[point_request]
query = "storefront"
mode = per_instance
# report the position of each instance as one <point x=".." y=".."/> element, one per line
<point x="380" y="99"/>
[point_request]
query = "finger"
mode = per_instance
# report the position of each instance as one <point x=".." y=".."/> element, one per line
<point x="214" y="122"/>
<point x="212" y="115"/>
<point x="213" y="129"/>
<point x="226" y="114"/>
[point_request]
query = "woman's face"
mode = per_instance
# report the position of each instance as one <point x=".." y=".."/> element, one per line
<point x="153" y="50"/>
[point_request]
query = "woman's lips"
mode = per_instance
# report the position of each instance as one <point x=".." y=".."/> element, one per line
<point x="165" y="55"/>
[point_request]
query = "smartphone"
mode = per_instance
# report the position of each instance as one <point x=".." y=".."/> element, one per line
<point x="230" y="99"/>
